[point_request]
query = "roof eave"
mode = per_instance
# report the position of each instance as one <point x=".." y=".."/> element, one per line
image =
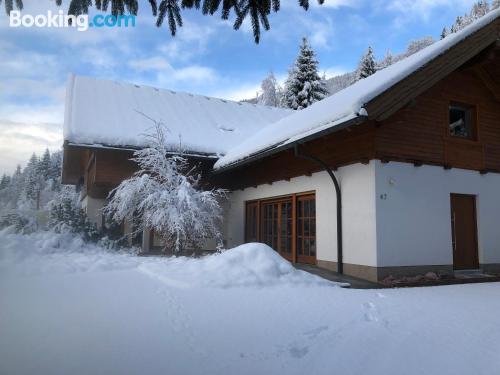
<point x="286" y="146"/>
<point x="98" y="146"/>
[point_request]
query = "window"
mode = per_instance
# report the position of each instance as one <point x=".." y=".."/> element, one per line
<point x="462" y="121"/>
<point x="306" y="226"/>
<point x="287" y="224"/>
<point x="251" y="234"/>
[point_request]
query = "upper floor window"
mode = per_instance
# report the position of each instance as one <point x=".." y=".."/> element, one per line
<point x="463" y="121"/>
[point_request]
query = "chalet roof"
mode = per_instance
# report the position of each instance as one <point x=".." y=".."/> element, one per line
<point x="362" y="99"/>
<point x="108" y="113"/>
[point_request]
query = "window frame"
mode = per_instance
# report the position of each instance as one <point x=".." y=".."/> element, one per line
<point x="474" y="137"/>
<point x="280" y="200"/>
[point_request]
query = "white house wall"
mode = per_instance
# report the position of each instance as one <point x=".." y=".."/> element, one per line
<point x="358" y="186"/>
<point x="92" y="208"/>
<point x="413" y="213"/>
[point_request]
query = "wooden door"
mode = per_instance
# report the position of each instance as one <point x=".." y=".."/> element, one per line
<point x="287" y="224"/>
<point x="306" y="229"/>
<point x="251" y="222"/>
<point x="276" y="226"/>
<point x="464" y="232"/>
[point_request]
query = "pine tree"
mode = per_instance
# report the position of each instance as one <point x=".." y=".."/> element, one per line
<point x="270" y="91"/>
<point x="304" y="86"/>
<point x="44" y="165"/>
<point x="444" y="33"/>
<point x="4" y="182"/>
<point x="479" y="9"/>
<point x="10" y="5"/>
<point x="33" y="182"/>
<point x="56" y="168"/>
<point x="367" y="65"/>
<point x="458" y="25"/>
<point x="387" y="61"/>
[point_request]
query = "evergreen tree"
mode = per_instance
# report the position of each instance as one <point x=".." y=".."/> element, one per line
<point x="460" y="23"/>
<point x="32" y="182"/>
<point x="387" y="61"/>
<point x="419" y="44"/>
<point x="367" y="65"/>
<point x="55" y="170"/>
<point x="44" y="165"/>
<point x="479" y="9"/>
<point x="270" y="91"/>
<point x="10" y="5"/>
<point x="304" y="86"/>
<point x="444" y="33"/>
<point x="66" y="215"/>
<point x="4" y="182"/>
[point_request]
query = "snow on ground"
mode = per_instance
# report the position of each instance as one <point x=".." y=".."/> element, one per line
<point x="71" y="308"/>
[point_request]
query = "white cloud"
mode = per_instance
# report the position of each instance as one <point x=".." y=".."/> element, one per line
<point x="155" y="63"/>
<point x="340" y="3"/>
<point x="19" y="140"/>
<point x="238" y="92"/>
<point x="195" y="73"/>
<point x="423" y="9"/>
<point x="167" y="74"/>
<point x="334" y="71"/>
<point x="30" y="113"/>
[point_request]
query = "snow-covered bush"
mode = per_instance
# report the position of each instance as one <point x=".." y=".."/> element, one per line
<point x="21" y="221"/>
<point x="166" y="195"/>
<point x="66" y="215"/>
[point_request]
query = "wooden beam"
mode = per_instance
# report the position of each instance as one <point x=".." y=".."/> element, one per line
<point x="488" y="81"/>
<point x="386" y="104"/>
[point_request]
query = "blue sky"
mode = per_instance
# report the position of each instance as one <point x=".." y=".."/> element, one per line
<point x="206" y="57"/>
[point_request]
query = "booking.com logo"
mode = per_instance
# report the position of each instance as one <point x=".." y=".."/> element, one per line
<point x="59" y="19"/>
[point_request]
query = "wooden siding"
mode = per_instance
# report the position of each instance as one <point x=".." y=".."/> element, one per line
<point x="105" y="169"/>
<point x="356" y="144"/>
<point x="383" y="106"/>
<point x="420" y="133"/>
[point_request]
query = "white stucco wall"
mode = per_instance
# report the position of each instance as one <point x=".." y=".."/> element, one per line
<point x="92" y="207"/>
<point x="413" y="213"/>
<point x="358" y="185"/>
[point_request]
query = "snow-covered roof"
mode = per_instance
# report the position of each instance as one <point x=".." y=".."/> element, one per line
<point x="346" y="104"/>
<point x="102" y="112"/>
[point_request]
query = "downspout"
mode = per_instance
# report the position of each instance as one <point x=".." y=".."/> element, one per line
<point x="299" y="154"/>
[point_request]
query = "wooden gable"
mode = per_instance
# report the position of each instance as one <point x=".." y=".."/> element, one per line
<point x="417" y="132"/>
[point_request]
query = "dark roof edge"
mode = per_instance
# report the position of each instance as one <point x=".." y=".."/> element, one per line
<point x="285" y="146"/>
<point x="95" y="146"/>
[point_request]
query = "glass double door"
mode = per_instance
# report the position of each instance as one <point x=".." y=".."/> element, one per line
<point x="287" y="224"/>
<point x="277" y="226"/>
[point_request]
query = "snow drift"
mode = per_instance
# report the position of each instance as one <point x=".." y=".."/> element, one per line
<point x="244" y="266"/>
<point x="253" y="264"/>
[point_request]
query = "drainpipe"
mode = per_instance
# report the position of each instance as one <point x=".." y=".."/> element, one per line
<point x="299" y="154"/>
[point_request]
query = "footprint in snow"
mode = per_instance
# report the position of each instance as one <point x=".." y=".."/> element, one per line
<point x="298" y="352"/>
<point x="312" y="334"/>
<point x="371" y="312"/>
